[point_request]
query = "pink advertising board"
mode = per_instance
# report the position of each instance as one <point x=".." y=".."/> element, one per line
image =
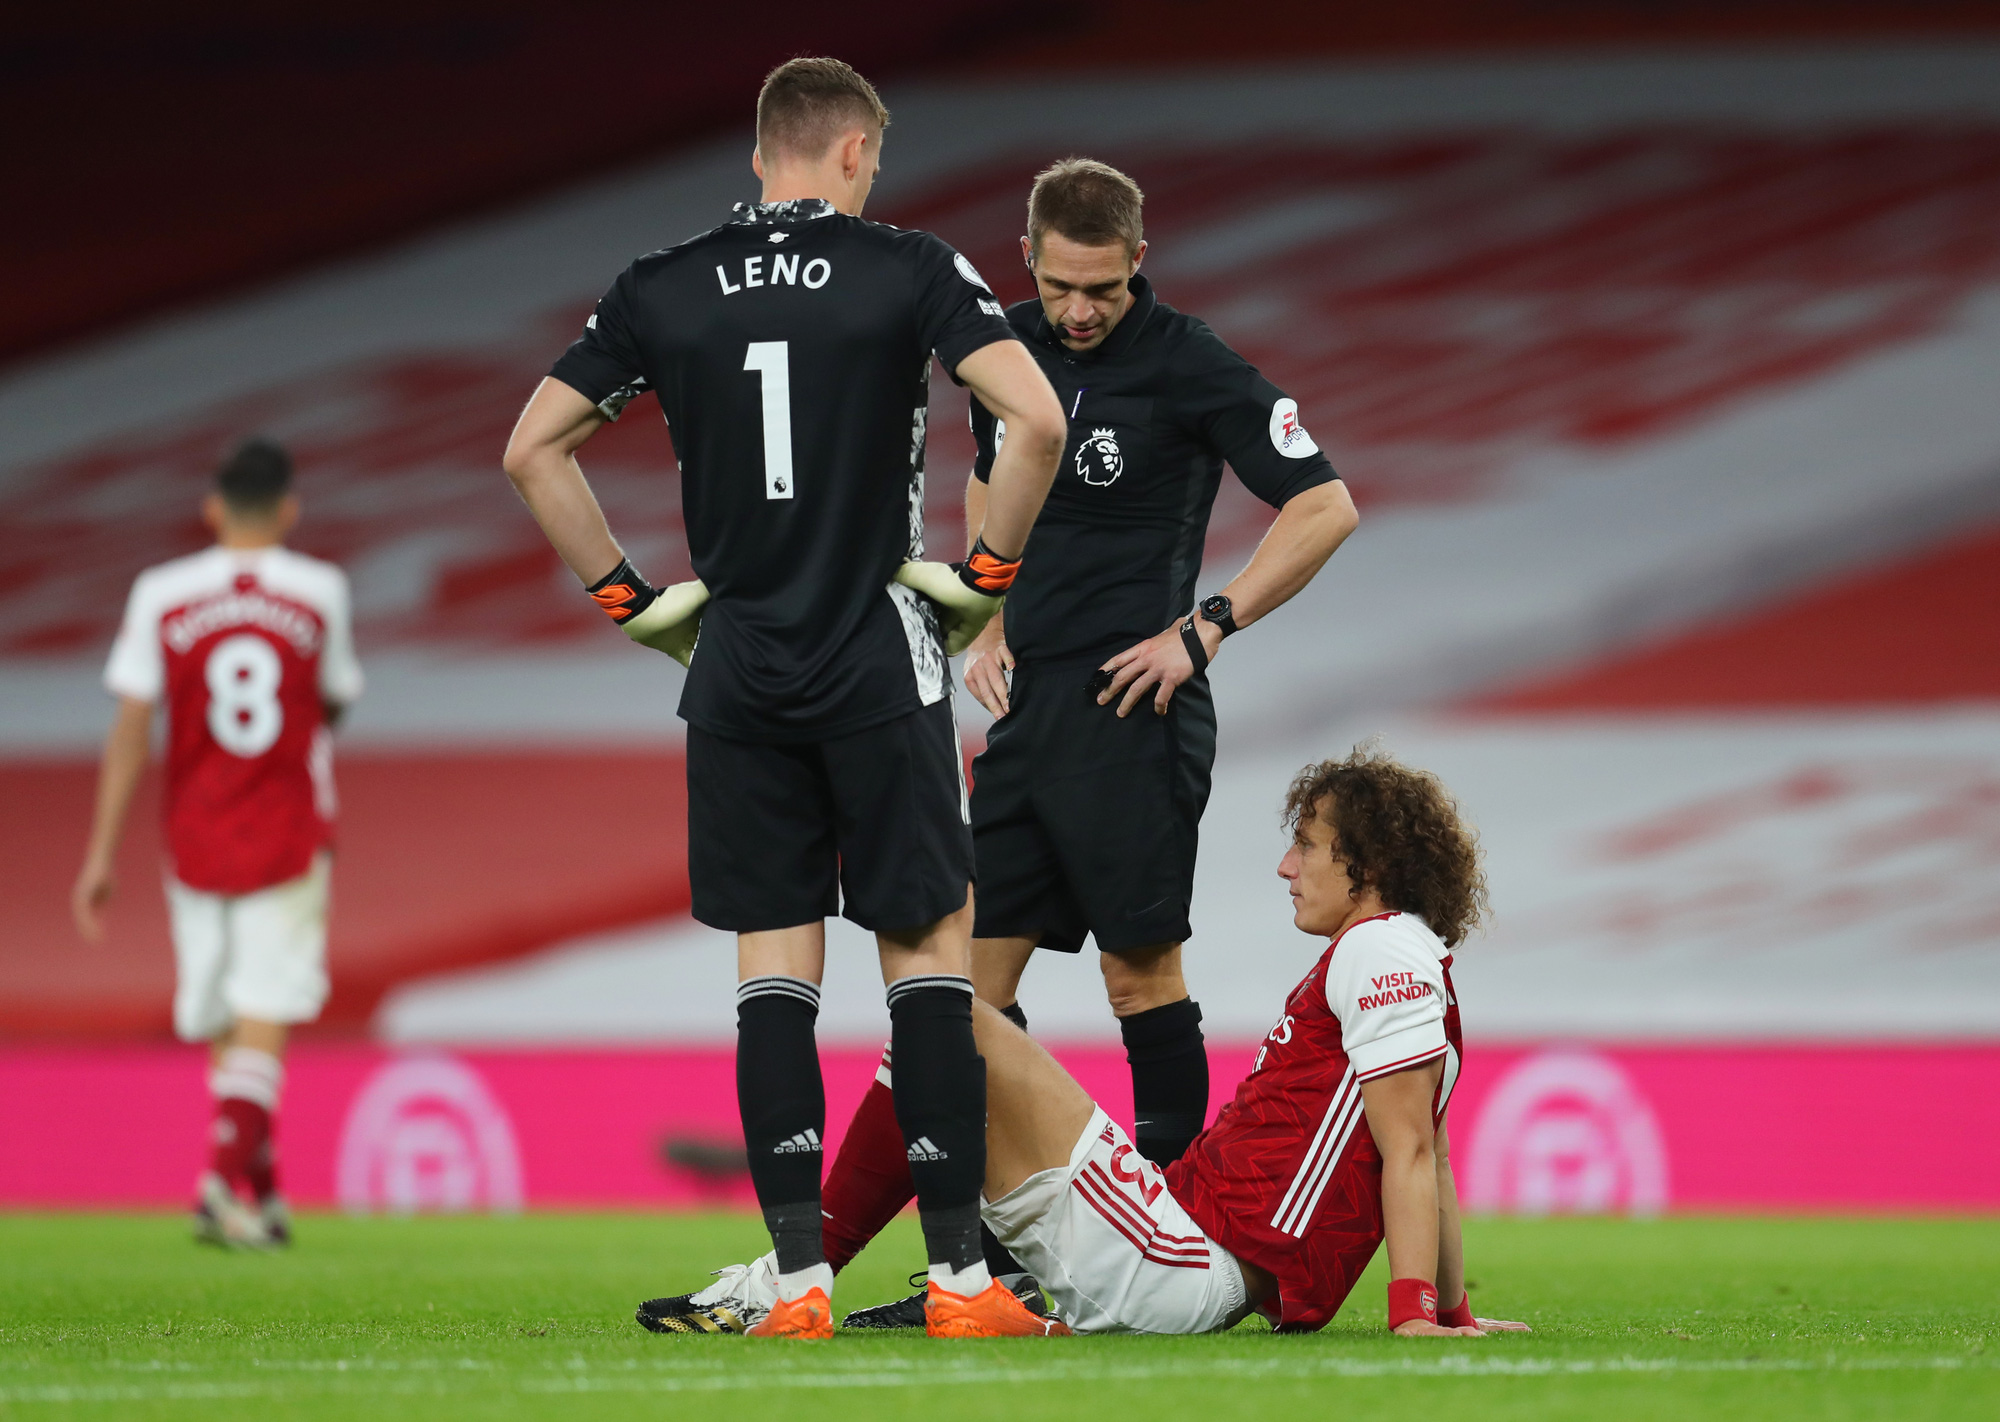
<point x="1534" y="1129"/>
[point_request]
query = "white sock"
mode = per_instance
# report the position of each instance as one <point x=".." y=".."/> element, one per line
<point x="973" y="1279"/>
<point x="249" y="1074"/>
<point x="793" y="1287"/>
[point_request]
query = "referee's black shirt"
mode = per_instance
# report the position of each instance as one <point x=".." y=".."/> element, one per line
<point x="1154" y="411"/>
<point x="790" y="350"/>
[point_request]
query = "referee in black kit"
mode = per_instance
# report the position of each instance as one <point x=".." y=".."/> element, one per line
<point x="1087" y="800"/>
<point x="789" y="349"/>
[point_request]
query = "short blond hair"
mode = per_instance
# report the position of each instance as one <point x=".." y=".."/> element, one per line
<point x="806" y="104"/>
<point x="1088" y="202"/>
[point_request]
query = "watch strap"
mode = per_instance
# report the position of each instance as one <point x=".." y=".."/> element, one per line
<point x="1197" y="653"/>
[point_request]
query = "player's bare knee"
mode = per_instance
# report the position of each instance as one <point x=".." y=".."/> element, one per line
<point x="997" y="966"/>
<point x="1143" y="978"/>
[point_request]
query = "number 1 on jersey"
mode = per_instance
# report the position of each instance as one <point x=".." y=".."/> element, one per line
<point x="772" y="362"/>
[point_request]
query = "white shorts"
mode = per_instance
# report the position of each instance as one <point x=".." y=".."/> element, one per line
<point x="1113" y="1247"/>
<point x="260" y="955"/>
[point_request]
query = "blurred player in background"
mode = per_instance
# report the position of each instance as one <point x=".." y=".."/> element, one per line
<point x="1335" y="1141"/>
<point x="1087" y="802"/>
<point x="790" y="350"/>
<point x="249" y="648"/>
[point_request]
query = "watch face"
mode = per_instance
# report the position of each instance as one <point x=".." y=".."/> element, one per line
<point x="1215" y="607"/>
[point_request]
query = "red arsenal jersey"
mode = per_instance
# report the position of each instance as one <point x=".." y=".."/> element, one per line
<point x="243" y="647"/>
<point x="1288" y="1177"/>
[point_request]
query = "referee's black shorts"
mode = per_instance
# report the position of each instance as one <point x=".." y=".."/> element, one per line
<point x="871" y="826"/>
<point x="1085" y="824"/>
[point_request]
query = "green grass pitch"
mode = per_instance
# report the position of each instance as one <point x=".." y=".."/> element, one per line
<point x="380" y="1319"/>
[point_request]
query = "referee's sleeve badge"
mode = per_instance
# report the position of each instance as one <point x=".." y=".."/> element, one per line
<point x="971" y="273"/>
<point x="1288" y="436"/>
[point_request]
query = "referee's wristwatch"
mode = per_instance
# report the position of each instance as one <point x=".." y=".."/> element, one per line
<point x="1217" y="609"/>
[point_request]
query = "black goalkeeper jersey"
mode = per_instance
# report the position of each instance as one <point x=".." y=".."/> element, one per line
<point x="1153" y="412"/>
<point x="790" y="350"/>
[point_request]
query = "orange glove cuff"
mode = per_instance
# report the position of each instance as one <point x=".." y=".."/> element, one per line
<point x="622" y="593"/>
<point x="985" y="571"/>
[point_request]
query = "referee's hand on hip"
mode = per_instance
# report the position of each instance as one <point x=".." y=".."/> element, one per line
<point x="1161" y="663"/>
<point x="987" y="663"/>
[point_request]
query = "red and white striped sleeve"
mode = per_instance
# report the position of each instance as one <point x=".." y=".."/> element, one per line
<point x="1386" y="985"/>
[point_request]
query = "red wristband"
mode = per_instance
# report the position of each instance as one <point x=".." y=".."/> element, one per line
<point x="1412" y="1298"/>
<point x="1459" y="1315"/>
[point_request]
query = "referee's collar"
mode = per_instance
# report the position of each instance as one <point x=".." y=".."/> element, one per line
<point x="1122" y="336"/>
<point x="792" y="210"/>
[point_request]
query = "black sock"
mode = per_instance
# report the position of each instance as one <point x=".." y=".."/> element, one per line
<point x="783" y="1104"/>
<point x="1169" y="1078"/>
<point x="998" y="1260"/>
<point x="797" y="1232"/>
<point x="940" y="1086"/>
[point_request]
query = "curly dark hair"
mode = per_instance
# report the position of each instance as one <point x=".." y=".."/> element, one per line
<point x="1400" y="834"/>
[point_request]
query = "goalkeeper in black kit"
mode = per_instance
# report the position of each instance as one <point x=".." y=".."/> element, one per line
<point x="789" y="349"/>
<point x="1087" y="801"/>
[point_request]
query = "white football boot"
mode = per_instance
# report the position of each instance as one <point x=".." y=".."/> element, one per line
<point x="220" y="1217"/>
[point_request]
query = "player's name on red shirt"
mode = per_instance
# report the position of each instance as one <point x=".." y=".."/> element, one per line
<point x="239" y="608"/>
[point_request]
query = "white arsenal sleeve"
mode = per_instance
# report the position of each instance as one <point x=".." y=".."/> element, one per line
<point x="1386" y="986"/>
<point x="340" y="680"/>
<point x="137" y="668"/>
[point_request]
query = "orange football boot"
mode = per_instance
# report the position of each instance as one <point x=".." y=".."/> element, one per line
<point x="808" y="1317"/>
<point x="993" y="1312"/>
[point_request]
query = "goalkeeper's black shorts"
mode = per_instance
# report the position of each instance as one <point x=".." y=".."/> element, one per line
<point x="871" y="826"/>
<point x="1084" y="824"/>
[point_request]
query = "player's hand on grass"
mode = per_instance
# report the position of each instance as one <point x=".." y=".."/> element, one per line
<point x="94" y="888"/>
<point x="1424" y="1328"/>
<point x="987" y="662"/>
<point x="1160" y="664"/>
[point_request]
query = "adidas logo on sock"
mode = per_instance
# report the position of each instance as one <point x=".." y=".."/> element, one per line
<point x="806" y="1141"/>
<point x="924" y="1150"/>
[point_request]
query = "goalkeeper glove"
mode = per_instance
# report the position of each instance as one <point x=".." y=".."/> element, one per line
<point x="665" y="619"/>
<point x="967" y="594"/>
<point x="985" y="571"/>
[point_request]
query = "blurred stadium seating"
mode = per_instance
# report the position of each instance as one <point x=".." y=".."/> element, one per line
<point x="181" y="151"/>
<point x="1663" y="378"/>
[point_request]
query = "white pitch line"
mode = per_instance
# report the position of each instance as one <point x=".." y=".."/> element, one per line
<point x="710" y="1377"/>
<point x="1282" y="1371"/>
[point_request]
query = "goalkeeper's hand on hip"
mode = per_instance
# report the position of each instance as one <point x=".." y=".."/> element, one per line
<point x="967" y="594"/>
<point x="666" y="619"/>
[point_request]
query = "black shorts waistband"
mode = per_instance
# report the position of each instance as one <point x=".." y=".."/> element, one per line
<point x="1075" y="659"/>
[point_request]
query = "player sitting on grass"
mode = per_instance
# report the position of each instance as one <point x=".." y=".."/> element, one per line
<point x="1335" y="1140"/>
<point x="249" y="649"/>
